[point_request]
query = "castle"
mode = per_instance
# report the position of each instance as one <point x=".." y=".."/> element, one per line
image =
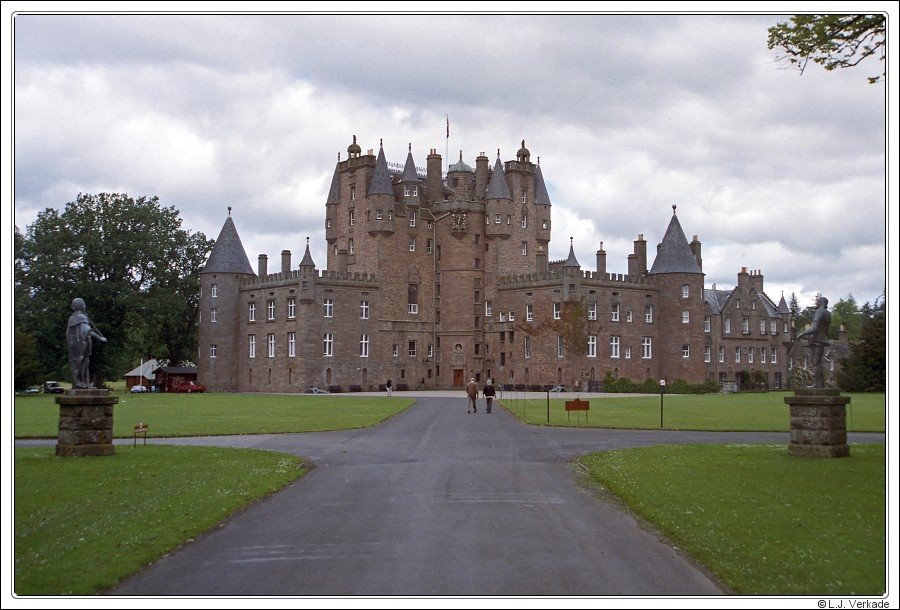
<point x="432" y="279"/>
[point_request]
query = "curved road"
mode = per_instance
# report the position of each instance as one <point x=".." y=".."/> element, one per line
<point x="435" y="501"/>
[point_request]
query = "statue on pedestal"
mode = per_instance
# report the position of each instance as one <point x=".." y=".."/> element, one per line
<point x="818" y="341"/>
<point x="80" y="333"/>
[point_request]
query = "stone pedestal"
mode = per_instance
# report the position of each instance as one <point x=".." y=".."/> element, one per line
<point x="818" y="423"/>
<point x="85" y="423"/>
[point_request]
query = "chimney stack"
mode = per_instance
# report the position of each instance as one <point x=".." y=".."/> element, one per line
<point x="262" y="267"/>
<point x="286" y="262"/>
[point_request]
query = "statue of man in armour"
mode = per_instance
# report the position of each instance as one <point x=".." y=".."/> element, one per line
<point x="80" y="333"/>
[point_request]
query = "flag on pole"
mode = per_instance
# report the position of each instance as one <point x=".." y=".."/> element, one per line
<point x="448" y="126"/>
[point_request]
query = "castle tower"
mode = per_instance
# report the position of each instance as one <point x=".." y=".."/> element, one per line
<point x="680" y="342"/>
<point x="221" y="310"/>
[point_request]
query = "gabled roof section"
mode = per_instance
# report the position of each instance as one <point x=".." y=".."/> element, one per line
<point x="674" y="254"/>
<point x="381" y="180"/>
<point x="768" y="304"/>
<point x="541" y="197"/>
<point x="307" y="257"/>
<point x="497" y="188"/>
<point x="334" y="193"/>
<point x="571" y="261"/>
<point x="716" y="299"/>
<point x="409" y="170"/>
<point x="228" y="254"/>
<point x="146" y="370"/>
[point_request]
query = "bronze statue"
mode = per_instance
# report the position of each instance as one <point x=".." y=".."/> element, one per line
<point x="80" y="333"/>
<point x="818" y="341"/>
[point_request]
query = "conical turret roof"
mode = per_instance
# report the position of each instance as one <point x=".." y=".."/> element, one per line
<point x="571" y="261"/>
<point x="540" y="189"/>
<point x="409" y="170"/>
<point x="228" y="254"/>
<point x="307" y="257"/>
<point x="783" y="306"/>
<point x="334" y="193"/>
<point x="674" y="254"/>
<point x="381" y="180"/>
<point x="497" y="188"/>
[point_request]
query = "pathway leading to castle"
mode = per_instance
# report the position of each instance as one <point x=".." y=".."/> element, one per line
<point x="435" y="501"/>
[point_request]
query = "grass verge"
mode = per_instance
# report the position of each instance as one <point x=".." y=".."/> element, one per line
<point x="212" y="414"/>
<point x="83" y="524"/>
<point x="741" y="412"/>
<point x="763" y="522"/>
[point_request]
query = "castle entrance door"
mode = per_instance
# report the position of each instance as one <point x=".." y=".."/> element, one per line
<point x="458" y="378"/>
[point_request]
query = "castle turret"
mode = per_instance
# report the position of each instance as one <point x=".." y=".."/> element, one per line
<point x="410" y="183"/>
<point x="220" y="310"/>
<point x="498" y="199"/>
<point x="380" y="203"/>
<point x="308" y="276"/>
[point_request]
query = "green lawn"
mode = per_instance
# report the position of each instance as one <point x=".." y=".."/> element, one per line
<point x="83" y="524"/>
<point x="763" y="522"/>
<point x="202" y="414"/>
<point x="744" y="412"/>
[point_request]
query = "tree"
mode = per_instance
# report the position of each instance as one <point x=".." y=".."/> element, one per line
<point x="864" y="368"/>
<point x="832" y="41"/>
<point x="27" y="366"/>
<point x="134" y="266"/>
<point x="847" y="314"/>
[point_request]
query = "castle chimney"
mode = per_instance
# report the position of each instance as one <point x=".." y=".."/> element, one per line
<point x="756" y="280"/>
<point x="743" y="279"/>
<point x="262" y="267"/>
<point x="696" y="251"/>
<point x="286" y="262"/>
<point x="342" y="256"/>
<point x="601" y="260"/>
<point x="482" y="174"/>
<point x="637" y="262"/>
<point x="434" y="183"/>
<point x="540" y="259"/>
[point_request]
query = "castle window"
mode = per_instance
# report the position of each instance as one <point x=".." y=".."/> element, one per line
<point x="762" y="327"/>
<point x="395" y="350"/>
<point x="270" y="309"/>
<point x="412" y="298"/>
<point x="557" y="311"/>
<point x="512" y="316"/>
<point x="707" y="324"/>
<point x="352" y="217"/>
<point x="292" y="308"/>
<point x="648" y="314"/>
<point x="377" y="214"/>
<point x="213" y="348"/>
<point x="773" y="327"/>
<point x="251" y="346"/>
<point x="407" y="192"/>
<point x="415" y="190"/>
<point x="707" y="354"/>
<point x="524" y="248"/>
<point x="524" y="221"/>
<point x="592" y="310"/>
<point x="328" y="308"/>
<point x="753" y="305"/>
<point x="560" y="347"/>
<point x="412" y="349"/>
<point x="328" y="345"/>
<point x="292" y="344"/>
<point x="352" y="193"/>
<point x="430" y="351"/>
<point x="737" y="304"/>
<point x="774" y="355"/>
<point x="270" y="341"/>
<point x="750" y="355"/>
<point x="327" y="223"/>
<point x="762" y="355"/>
<point x="502" y="319"/>
<point x="745" y="326"/>
<point x="527" y="346"/>
<point x="529" y="312"/>
<point x="412" y="218"/>
<point x="390" y="214"/>
<point x="497" y="219"/>
<point x="213" y="315"/>
<point x="686" y="317"/>
<point x="785" y="327"/>
<point x="614" y="313"/>
<point x="214" y="290"/>
<point x="412" y="244"/>
<point x="721" y="353"/>
<point x="737" y="354"/>
<point x="488" y="309"/>
<point x="363" y="310"/>
<point x="251" y="312"/>
<point x="502" y="358"/>
<point x="592" y="346"/>
<point x="685" y="291"/>
<point x="647" y="348"/>
<point x="614" y="347"/>
<point x="685" y="351"/>
<point x="727" y="325"/>
<point x="628" y="353"/>
<point x="364" y="346"/>
<point x="524" y="193"/>
<point x="429" y="245"/>
<point x="350" y="246"/>
<point x="508" y="219"/>
<point x="545" y="224"/>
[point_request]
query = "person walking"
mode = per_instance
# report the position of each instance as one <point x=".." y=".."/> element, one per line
<point x="472" y="393"/>
<point x="388" y="386"/>
<point x="489" y="393"/>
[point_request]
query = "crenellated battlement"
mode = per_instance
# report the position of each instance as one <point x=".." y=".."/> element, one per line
<point x="527" y="279"/>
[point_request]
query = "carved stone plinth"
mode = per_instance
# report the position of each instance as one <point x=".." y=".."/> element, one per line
<point x="818" y="423"/>
<point x="85" y="423"/>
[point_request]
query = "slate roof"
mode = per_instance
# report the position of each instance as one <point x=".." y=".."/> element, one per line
<point x="307" y="257"/>
<point x="674" y="254"/>
<point x="381" y="179"/>
<point x="783" y="306"/>
<point x="334" y="193"/>
<point x="716" y="299"/>
<point x="497" y="188"/>
<point x="145" y="371"/>
<point x="541" y="196"/>
<point x="228" y="254"/>
<point x="571" y="261"/>
<point x="409" y="171"/>
<point x="460" y="166"/>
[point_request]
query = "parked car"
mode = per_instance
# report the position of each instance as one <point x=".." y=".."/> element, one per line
<point x="35" y="389"/>
<point x="53" y="387"/>
<point x="189" y="387"/>
<point x="317" y="390"/>
<point x="559" y="388"/>
<point x="138" y="389"/>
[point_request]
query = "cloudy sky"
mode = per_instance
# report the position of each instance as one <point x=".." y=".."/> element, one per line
<point x="629" y="114"/>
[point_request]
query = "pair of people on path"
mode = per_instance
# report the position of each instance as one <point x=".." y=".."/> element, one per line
<point x="472" y="392"/>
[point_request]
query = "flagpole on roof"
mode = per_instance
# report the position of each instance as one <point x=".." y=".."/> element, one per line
<point x="447" y="148"/>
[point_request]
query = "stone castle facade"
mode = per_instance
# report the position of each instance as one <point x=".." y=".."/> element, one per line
<point x="434" y="278"/>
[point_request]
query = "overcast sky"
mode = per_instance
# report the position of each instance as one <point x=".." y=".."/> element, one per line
<point x="629" y="115"/>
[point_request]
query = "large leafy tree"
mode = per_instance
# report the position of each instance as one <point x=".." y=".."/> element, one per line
<point x="832" y="41"/>
<point x="132" y="263"/>
<point x="864" y="368"/>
